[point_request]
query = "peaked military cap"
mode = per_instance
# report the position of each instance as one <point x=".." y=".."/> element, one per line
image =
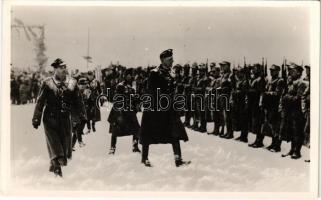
<point x="257" y="65"/>
<point x="195" y="66"/>
<point x="177" y="67"/>
<point x="58" y="63"/>
<point x="239" y="69"/>
<point x="202" y="66"/>
<point x="275" y="67"/>
<point x="186" y="66"/>
<point x="295" y="66"/>
<point x="167" y="53"/>
<point x="128" y="71"/>
<point x="225" y="63"/>
<point x="82" y="81"/>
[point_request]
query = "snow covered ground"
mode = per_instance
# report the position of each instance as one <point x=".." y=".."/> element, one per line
<point x="217" y="164"/>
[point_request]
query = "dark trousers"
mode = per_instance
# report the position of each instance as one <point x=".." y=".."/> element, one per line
<point x="188" y="115"/>
<point x="90" y="125"/>
<point x="114" y="141"/>
<point x="176" y="149"/>
<point x="77" y="133"/>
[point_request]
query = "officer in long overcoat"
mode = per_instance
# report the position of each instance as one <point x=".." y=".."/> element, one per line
<point x="122" y="118"/>
<point x="57" y="97"/>
<point x="161" y="123"/>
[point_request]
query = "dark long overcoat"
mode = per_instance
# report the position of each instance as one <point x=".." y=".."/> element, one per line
<point x="161" y="126"/>
<point x="56" y="101"/>
<point x="123" y="120"/>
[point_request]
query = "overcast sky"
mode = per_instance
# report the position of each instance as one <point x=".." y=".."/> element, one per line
<point x="136" y="36"/>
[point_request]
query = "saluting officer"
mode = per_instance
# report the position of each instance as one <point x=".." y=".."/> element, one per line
<point x="57" y="97"/>
<point x="162" y="126"/>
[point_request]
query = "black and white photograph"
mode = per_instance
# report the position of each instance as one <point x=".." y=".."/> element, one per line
<point x="162" y="97"/>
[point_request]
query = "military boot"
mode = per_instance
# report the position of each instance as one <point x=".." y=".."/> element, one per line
<point x="136" y="149"/>
<point x="277" y="145"/>
<point x="146" y="163"/>
<point x="179" y="162"/>
<point x="112" y="151"/>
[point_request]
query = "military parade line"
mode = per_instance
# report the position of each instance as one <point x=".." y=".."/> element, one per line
<point x="246" y="100"/>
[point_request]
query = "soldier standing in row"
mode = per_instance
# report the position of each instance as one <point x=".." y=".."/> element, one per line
<point x="270" y="103"/>
<point x="34" y="86"/>
<point x="292" y="124"/>
<point x="14" y="92"/>
<point x="199" y="91"/>
<point x="224" y="92"/>
<point x="216" y="115"/>
<point x="58" y="95"/>
<point x="192" y="84"/>
<point x="257" y="87"/>
<point x="122" y="118"/>
<point x="179" y="87"/>
<point x="239" y="105"/>
<point x="187" y="93"/>
<point x="306" y="109"/>
<point x="162" y="126"/>
<point x="25" y="88"/>
<point x="93" y="113"/>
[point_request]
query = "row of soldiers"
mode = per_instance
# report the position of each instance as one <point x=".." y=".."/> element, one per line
<point x="24" y="87"/>
<point x="248" y="101"/>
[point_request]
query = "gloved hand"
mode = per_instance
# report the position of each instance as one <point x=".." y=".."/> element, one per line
<point x="35" y="123"/>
